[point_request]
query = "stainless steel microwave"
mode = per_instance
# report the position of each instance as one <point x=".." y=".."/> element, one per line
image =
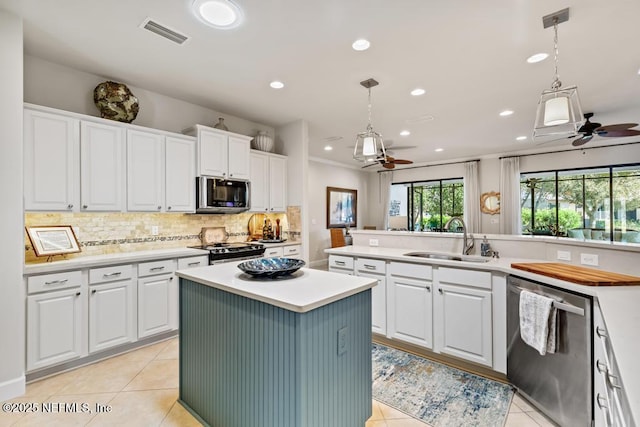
<point x="214" y="195"/>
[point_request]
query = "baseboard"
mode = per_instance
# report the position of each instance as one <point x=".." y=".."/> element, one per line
<point x="12" y="388"/>
<point x="442" y="358"/>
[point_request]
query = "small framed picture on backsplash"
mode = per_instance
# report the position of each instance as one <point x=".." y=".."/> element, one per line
<point x="53" y="240"/>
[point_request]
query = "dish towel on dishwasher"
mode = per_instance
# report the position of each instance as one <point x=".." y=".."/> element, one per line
<point x="538" y="319"/>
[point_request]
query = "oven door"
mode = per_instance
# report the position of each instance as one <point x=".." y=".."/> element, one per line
<point x="221" y="261"/>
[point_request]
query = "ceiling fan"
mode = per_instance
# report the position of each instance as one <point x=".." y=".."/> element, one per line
<point x="389" y="162"/>
<point x="589" y="129"/>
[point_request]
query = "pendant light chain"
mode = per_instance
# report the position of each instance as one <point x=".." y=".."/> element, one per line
<point x="556" y="82"/>
<point x="369" y="127"/>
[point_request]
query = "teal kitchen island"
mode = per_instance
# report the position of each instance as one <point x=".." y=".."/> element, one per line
<point x="293" y="351"/>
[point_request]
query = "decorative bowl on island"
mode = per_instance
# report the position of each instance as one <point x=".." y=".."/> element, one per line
<point x="271" y="267"/>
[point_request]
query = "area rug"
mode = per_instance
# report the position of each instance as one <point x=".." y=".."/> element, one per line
<point x="435" y="393"/>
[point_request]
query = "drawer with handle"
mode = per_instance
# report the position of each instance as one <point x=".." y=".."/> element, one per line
<point x="293" y="250"/>
<point x="273" y="252"/>
<point x="54" y="281"/>
<point x="156" y="267"/>
<point x="343" y="262"/>
<point x="110" y="274"/>
<point x="192" y="262"/>
<point x="365" y="265"/>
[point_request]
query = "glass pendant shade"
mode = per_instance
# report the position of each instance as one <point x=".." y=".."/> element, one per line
<point x="558" y="113"/>
<point x="369" y="146"/>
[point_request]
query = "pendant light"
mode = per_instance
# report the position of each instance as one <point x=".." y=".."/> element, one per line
<point x="369" y="146"/>
<point x="559" y="111"/>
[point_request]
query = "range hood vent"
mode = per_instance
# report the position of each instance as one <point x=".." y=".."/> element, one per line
<point x="161" y="30"/>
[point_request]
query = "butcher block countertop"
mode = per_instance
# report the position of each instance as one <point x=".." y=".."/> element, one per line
<point x="577" y="274"/>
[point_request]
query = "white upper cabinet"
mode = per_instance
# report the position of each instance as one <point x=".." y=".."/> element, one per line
<point x="102" y="163"/>
<point x="268" y="182"/>
<point x="145" y="171"/>
<point x="222" y="154"/>
<point x="51" y="162"/>
<point x="180" y="174"/>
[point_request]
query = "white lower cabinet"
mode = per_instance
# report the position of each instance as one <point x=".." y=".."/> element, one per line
<point x="273" y="252"/>
<point x="341" y="264"/>
<point x="55" y="327"/>
<point x="611" y="407"/>
<point x="156" y="296"/>
<point x="375" y="269"/>
<point x="463" y="314"/>
<point x="112" y="307"/>
<point x="292" y="251"/>
<point x="410" y="314"/>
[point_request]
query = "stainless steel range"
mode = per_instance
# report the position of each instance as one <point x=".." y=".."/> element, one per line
<point x="223" y="251"/>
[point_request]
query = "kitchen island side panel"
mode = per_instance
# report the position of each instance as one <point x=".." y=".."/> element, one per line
<point x="245" y="362"/>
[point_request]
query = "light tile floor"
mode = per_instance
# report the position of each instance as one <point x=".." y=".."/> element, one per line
<point x="141" y="388"/>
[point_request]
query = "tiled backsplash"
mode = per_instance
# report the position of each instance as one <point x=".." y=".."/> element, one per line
<point x="105" y="233"/>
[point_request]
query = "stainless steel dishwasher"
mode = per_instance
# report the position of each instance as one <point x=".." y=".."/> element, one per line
<point x="559" y="384"/>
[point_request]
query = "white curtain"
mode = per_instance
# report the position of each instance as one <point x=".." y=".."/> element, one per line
<point x="510" y="222"/>
<point x="385" y="179"/>
<point x="471" y="197"/>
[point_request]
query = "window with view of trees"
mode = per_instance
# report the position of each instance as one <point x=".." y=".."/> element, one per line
<point x="428" y="205"/>
<point x="595" y="204"/>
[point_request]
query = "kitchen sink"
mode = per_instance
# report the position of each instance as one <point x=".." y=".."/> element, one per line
<point x="448" y="257"/>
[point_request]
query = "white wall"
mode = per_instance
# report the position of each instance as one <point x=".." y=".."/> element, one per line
<point x="322" y="175"/>
<point x="57" y="86"/>
<point x="293" y="141"/>
<point x="12" y="306"/>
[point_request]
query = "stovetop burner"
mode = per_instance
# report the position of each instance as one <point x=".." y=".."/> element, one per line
<point x="229" y="251"/>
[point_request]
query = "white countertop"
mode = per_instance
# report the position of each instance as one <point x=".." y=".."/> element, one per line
<point x="619" y="305"/>
<point x="303" y="291"/>
<point x="119" y="258"/>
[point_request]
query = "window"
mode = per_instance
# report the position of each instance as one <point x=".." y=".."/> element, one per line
<point x="426" y="205"/>
<point x="595" y="204"/>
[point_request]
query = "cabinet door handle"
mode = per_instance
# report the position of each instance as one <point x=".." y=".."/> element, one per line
<point x="156" y="268"/>
<point x="70" y="206"/>
<point x="601" y="366"/>
<point x="93" y="291"/>
<point x="605" y="406"/>
<point x="56" y="282"/>
<point x="613" y="381"/>
<point x="116" y="274"/>
<point x="168" y="208"/>
<point x="84" y="206"/>
<point x="191" y="264"/>
<point x="369" y="267"/>
<point x="159" y="207"/>
<point x="601" y="332"/>
<point x="428" y="288"/>
<point x="340" y="263"/>
<point x="78" y="294"/>
<point x="440" y="291"/>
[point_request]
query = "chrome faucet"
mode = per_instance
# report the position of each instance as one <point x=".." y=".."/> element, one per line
<point x="467" y="241"/>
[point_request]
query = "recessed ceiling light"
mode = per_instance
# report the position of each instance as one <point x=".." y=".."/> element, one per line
<point x="405" y="133"/>
<point x="521" y="138"/>
<point x="418" y="92"/>
<point x="437" y="150"/>
<point x="506" y="113"/>
<point x="222" y="14"/>
<point x="328" y="148"/>
<point x="276" y="84"/>
<point x="537" y="57"/>
<point x="361" y="44"/>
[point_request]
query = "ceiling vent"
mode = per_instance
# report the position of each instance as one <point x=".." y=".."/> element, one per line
<point x="161" y="30"/>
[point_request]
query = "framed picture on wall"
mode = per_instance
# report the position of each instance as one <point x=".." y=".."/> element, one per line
<point x="342" y="207"/>
<point x="53" y="240"/>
